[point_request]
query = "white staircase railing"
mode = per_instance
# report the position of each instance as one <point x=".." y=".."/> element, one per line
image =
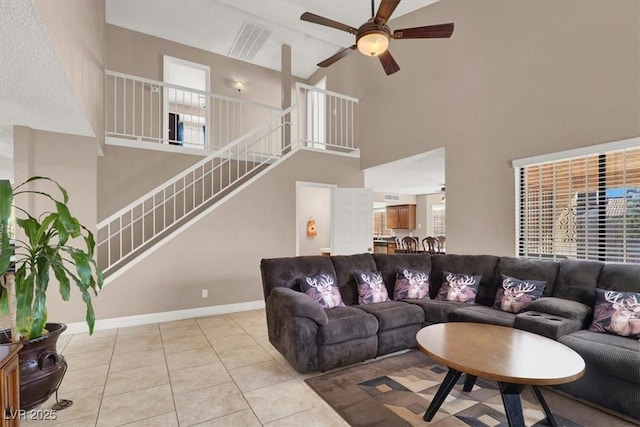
<point x="130" y="230"/>
<point x="148" y="110"/>
<point x="321" y="120"/>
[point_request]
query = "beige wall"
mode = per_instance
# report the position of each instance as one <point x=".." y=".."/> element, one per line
<point x="314" y="202"/>
<point x="516" y="79"/>
<point x="222" y="252"/>
<point x="124" y="174"/>
<point x="141" y="55"/>
<point x="77" y="30"/>
<point x="70" y="160"/>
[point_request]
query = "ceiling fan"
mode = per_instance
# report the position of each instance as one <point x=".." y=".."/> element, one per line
<point x="373" y="37"/>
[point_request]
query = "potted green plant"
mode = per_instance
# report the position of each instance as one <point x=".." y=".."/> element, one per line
<point x="52" y="241"/>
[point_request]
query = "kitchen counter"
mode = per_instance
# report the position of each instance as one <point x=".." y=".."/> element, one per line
<point x="382" y="246"/>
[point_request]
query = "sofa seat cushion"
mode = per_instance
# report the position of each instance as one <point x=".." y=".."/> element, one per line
<point x="436" y="311"/>
<point x="561" y="307"/>
<point x="394" y="314"/>
<point x="609" y="354"/>
<point x="482" y="314"/>
<point x="346" y="323"/>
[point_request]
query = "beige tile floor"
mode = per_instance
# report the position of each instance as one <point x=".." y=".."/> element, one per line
<point x="212" y="371"/>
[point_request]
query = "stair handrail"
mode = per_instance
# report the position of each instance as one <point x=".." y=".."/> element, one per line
<point x="195" y="166"/>
<point x="188" y="89"/>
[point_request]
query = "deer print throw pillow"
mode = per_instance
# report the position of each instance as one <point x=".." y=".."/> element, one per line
<point x="516" y="294"/>
<point x="459" y="287"/>
<point x="411" y="284"/>
<point x="371" y="288"/>
<point x="617" y="313"/>
<point x="322" y="288"/>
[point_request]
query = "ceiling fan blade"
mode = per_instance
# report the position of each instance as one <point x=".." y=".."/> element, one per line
<point x="338" y="55"/>
<point x="320" y="20"/>
<point x="385" y="10"/>
<point x="388" y="63"/>
<point x="440" y="31"/>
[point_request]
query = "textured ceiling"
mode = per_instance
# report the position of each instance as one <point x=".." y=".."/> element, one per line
<point x="214" y="24"/>
<point x="420" y="174"/>
<point x="34" y="90"/>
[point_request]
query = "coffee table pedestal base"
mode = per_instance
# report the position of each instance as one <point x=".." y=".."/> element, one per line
<point x="510" y="393"/>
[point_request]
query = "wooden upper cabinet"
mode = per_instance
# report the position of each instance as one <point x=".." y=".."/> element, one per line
<point x="392" y="217"/>
<point x="401" y="217"/>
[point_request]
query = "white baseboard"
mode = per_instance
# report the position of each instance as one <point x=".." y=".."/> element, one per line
<point x="167" y="316"/>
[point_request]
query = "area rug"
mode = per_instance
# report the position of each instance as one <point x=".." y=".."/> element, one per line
<point x="397" y="390"/>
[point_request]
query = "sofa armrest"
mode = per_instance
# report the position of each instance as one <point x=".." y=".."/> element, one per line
<point x="561" y="307"/>
<point x="300" y="305"/>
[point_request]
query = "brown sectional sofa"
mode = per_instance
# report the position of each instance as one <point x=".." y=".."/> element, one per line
<point x="314" y="339"/>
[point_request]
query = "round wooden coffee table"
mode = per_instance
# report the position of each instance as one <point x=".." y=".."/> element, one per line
<point x="510" y="356"/>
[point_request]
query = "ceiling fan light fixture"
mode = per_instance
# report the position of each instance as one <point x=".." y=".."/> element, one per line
<point x="373" y="43"/>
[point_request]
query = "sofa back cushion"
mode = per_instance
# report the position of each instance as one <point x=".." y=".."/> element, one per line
<point x="620" y="277"/>
<point x="617" y="313"/>
<point x="387" y="264"/>
<point x="345" y="267"/>
<point x="525" y="269"/>
<point x="577" y="280"/>
<point x="285" y="271"/>
<point x="483" y="265"/>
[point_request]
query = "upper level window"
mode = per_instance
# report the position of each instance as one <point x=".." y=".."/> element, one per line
<point x="581" y="207"/>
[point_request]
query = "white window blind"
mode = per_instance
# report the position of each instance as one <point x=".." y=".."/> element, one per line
<point x="583" y="208"/>
<point x="438" y="216"/>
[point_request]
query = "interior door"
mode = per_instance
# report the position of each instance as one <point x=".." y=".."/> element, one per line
<point x="351" y="221"/>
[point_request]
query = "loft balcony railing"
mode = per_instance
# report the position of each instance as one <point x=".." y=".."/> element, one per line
<point x="325" y="119"/>
<point x="141" y="109"/>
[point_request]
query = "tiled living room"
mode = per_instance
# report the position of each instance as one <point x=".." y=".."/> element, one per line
<point x="531" y="109"/>
<point x="213" y="371"/>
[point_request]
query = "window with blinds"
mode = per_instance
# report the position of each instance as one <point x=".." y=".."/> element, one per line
<point x="582" y="208"/>
<point x="438" y="220"/>
<point x="380" y="223"/>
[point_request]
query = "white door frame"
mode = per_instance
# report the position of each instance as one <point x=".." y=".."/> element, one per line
<point x="317" y="116"/>
<point x="299" y="186"/>
<point x="170" y="60"/>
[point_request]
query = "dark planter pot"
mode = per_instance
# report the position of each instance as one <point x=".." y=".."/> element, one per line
<point x="41" y="367"/>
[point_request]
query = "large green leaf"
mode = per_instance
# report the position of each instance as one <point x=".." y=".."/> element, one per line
<point x="30" y="227"/>
<point x="61" y="275"/>
<point x="24" y="298"/>
<point x="90" y="317"/>
<point x="71" y="225"/>
<point x="83" y="267"/>
<point x="6" y="200"/>
<point x="39" y="313"/>
<point x="45" y="227"/>
<point x="89" y="241"/>
<point x="4" y="302"/>
<point x="65" y="196"/>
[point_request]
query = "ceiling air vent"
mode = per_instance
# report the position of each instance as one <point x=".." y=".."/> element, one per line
<point x="249" y="41"/>
<point x="391" y="197"/>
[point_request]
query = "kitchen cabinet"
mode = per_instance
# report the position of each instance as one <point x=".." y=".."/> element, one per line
<point x="9" y="385"/>
<point x="401" y="217"/>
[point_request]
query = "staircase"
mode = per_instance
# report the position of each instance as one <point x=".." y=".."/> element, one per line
<point x="320" y="120"/>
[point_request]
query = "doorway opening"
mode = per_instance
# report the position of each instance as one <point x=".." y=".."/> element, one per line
<point x="186" y="119"/>
<point x="313" y="203"/>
